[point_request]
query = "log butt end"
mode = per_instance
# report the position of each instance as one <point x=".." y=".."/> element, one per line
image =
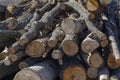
<point x="27" y="74"/>
<point x="70" y="48"/>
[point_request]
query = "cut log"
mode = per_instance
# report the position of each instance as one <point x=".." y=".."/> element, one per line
<point x="105" y="2"/>
<point x="93" y="59"/>
<point x="104" y="73"/>
<point x="111" y="62"/>
<point x="41" y="71"/>
<point x="90" y="43"/>
<point x="37" y="47"/>
<point x="28" y="62"/>
<point x="92" y="5"/>
<point x="57" y="35"/>
<point x="96" y="59"/>
<point x="58" y="54"/>
<point x="92" y="72"/>
<point x="71" y="26"/>
<point x="70" y="44"/>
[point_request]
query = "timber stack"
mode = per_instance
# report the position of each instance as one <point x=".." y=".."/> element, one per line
<point x="60" y="40"/>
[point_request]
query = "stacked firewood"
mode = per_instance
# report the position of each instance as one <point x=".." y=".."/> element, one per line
<point x="60" y="40"/>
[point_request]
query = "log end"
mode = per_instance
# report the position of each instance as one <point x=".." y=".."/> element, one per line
<point x="96" y="60"/>
<point x="89" y="46"/>
<point x="11" y="50"/>
<point x="35" y="49"/>
<point x="23" y="65"/>
<point x="14" y="57"/>
<point x="70" y="48"/>
<point x="56" y="54"/>
<point x="52" y="43"/>
<point x="27" y="74"/>
<point x="92" y="73"/>
<point x="74" y="73"/>
<point x="11" y="24"/>
<point x="23" y="42"/>
<point x="92" y="5"/>
<point x="104" y="43"/>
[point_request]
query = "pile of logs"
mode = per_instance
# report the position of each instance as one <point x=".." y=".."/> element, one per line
<point x="60" y="39"/>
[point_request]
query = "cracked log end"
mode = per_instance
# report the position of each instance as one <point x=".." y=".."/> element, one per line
<point x="74" y="73"/>
<point x="36" y="48"/>
<point x="70" y="48"/>
<point x="92" y="73"/>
